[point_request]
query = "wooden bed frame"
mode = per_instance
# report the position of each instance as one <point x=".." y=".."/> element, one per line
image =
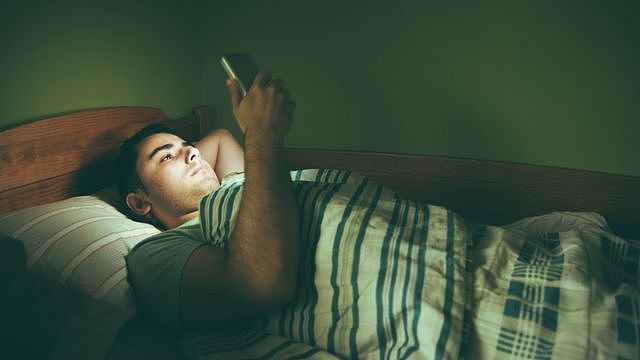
<point x="70" y="154"/>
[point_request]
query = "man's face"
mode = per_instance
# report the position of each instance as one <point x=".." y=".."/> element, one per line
<point x="174" y="174"/>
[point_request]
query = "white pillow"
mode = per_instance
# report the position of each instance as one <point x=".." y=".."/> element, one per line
<point x="80" y="243"/>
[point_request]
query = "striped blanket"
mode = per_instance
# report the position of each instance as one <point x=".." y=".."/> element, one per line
<point x="383" y="277"/>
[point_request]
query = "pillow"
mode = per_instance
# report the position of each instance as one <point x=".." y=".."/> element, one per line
<point x="80" y="243"/>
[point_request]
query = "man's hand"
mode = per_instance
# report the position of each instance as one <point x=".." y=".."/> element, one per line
<point x="265" y="110"/>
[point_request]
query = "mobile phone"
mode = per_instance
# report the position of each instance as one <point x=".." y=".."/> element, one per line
<point x="242" y="68"/>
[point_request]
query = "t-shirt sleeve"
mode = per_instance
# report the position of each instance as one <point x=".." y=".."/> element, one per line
<point x="155" y="272"/>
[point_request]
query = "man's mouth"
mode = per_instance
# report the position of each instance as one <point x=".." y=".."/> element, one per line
<point x="197" y="169"/>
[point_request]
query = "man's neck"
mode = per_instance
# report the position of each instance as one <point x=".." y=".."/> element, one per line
<point x="177" y="221"/>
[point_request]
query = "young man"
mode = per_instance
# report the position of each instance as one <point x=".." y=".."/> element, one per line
<point x="363" y="271"/>
<point x="177" y="277"/>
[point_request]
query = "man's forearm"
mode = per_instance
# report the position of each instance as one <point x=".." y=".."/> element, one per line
<point x="264" y="247"/>
<point x="230" y="155"/>
<point x="221" y="150"/>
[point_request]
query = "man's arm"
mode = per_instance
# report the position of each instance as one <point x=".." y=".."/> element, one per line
<point x="222" y="151"/>
<point x="257" y="272"/>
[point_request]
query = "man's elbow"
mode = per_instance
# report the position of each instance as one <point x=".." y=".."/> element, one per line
<point x="242" y="300"/>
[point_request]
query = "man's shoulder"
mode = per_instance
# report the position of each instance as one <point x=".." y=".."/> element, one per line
<point x="189" y="231"/>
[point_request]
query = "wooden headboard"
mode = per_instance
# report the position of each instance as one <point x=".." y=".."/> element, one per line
<point x="71" y="154"/>
<point x="492" y="192"/>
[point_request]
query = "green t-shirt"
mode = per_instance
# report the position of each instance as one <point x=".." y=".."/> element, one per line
<point x="155" y="265"/>
<point x="155" y="270"/>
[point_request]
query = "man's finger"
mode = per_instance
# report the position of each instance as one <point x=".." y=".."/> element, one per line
<point x="278" y="84"/>
<point x="263" y="78"/>
<point x="234" y="92"/>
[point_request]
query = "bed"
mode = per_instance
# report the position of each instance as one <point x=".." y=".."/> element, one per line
<point x="69" y="309"/>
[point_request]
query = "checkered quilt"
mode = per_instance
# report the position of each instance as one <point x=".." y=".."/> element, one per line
<point x="553" y="291"/>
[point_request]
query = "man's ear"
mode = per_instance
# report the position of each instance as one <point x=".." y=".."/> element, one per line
<point x="138" y="203"/>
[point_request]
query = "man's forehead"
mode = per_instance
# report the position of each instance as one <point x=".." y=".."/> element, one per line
<point x="156" y="140"/>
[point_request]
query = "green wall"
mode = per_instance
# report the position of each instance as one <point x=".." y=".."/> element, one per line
<point x="60" y="56"/>
<point x="543" y="82"/>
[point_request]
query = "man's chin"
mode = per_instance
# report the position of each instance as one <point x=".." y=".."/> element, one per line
<point x="209" y="187"/>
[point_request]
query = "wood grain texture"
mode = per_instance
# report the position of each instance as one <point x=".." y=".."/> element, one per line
<point x="488" y="191"/>
<point x="71" y="154"/>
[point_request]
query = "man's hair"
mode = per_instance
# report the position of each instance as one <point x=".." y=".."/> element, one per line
<point x="126" y="174"/>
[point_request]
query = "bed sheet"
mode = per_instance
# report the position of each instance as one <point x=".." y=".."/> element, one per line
<point x="417" y="281"/>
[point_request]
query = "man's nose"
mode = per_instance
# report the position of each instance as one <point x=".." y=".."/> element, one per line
<point x="192" y="154"/>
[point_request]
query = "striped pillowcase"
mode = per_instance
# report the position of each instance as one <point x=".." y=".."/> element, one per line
<point x="80" y="243"/>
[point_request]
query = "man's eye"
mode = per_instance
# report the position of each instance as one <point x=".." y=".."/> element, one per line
<point x="166" y="157"/>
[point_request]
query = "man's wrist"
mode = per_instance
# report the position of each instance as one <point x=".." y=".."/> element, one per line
<point x="263" y="138"/>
